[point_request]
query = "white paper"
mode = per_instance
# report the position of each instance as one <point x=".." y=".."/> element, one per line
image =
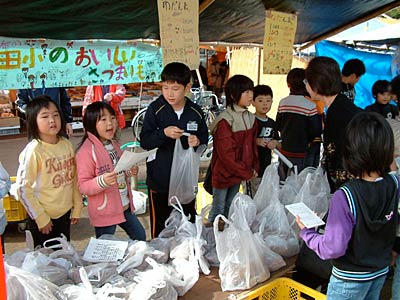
<point x="105" y="250"/>
<point x="128" y="159"/>
<point x="307" y="216"/>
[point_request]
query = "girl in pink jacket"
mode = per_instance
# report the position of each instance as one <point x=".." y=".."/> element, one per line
<point x="109" y="194"/>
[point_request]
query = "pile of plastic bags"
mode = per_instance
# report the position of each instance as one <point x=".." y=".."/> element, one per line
<point x="257" y="235"/>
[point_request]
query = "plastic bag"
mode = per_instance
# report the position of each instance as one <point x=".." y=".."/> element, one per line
<point x="315" y="192"/>
<point x="241" y="266"/>
<point x="269" y="187"/>
<point x="25" y="285"/>
<point x="139" y="201"/>
<point x="292" y="186"/>
<point x="5" y="182"/>
<point x="273" y="225"/>
<point x="242" y="209"/>
<point x="185" y="173"/>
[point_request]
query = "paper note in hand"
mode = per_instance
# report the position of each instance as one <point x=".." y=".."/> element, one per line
<point x="129" y="159"/>
<point x="307" y="216"/>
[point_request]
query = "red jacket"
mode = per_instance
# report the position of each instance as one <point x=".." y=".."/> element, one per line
<point x="94" y="93"/>
<point x="235" y="153"/>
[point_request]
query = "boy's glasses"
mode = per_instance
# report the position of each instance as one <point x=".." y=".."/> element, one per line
<point x="305" y="81"/>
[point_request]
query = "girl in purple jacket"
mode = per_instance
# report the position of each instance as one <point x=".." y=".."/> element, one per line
<point x="109" y="193"/>
<point x="361" y="226"/>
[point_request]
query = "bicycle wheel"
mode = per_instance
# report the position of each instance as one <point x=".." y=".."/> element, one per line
<point x="209" y="117"/>
<point x="137" y="123"/>
<point x="207" y="153"/>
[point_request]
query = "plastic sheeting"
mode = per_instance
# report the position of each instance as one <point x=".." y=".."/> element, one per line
<point x="378" y="67"/>
<point x="234" y="21"/>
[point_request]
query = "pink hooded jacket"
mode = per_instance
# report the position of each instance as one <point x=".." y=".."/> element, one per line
<point x="104" y="205"/>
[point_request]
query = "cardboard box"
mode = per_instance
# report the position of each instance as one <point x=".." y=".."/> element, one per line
<point x="9" y="122"/>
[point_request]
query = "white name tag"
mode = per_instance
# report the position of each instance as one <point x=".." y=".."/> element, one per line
<point x="191" y="126"/>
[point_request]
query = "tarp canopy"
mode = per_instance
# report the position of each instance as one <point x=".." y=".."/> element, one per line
<point x="234" y="21"/>
<point x="377" y="31"/>
<point x="378" y="67"/>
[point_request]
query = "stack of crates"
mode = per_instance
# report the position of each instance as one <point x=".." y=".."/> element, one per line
<point x="284" y="289"/>
<point x="15" y="211"/>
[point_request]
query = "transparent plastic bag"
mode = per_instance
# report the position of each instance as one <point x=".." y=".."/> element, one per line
<point x="269" y="187"/>
<point x="241" y="266"/>
<point x="185" y="173"/>
<point x="273" y="225"/>
<point x="292" y="186"/>
<point x="25" y="285"/>
<point x="315" y="192"/>
<point x="242" y="209"/>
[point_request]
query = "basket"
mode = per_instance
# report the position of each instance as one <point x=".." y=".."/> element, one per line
<point x="284" y="289"/>
<point x="15" y="211"/>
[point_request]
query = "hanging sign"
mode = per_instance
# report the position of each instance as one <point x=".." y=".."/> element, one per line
<point x="179" y="31"/>
<point x="29" y="63"/>
<point x="280" y="30"/>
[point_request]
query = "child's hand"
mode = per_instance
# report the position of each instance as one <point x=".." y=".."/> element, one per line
<point x="134" y="170"/>
<point x="261" y="142"/>
<point x="272" y="144"/>
<point x="46" y="229"/>
<point x="301" y="225"/>
<point x="255" y="174"/>
<point x="108" y="97"/>
<point x="110" y="178"/>
<point x="74" y="221"/>
<point x="193" y="141"/>
<point x="173" y="132"/>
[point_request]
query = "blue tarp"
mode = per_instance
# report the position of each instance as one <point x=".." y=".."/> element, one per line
<point x="378" y="67"/>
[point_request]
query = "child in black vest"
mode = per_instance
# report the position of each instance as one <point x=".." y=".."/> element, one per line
<point x="361" y="225"/>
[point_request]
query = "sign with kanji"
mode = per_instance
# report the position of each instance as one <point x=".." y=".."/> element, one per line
<point x="179" y="31"/>
<point x="280" y="30"/>
<point x="29" y="63"/>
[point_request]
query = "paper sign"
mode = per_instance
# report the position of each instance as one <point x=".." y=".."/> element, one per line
<point x="34" y="63"/>
<point x="280" y="30"/>
<point x="105" y="250"/>
<point x="307" y="216"/>
<point x="179" y="31"/>
<point x="129" y="159"/>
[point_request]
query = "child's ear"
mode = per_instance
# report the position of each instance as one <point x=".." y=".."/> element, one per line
<point x="188" y="87"/>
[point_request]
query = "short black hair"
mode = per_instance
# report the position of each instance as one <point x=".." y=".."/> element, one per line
<point x="368" y="145"/>
<point x="323" y="76"/>
<point x="295" y="78"/>
<point x="263" y="90"/>
<point x="32" y="111"/>
<point x="93" y="113"/>
<point x="353" y="66"/>
<point x="235" y="86"/>
<point x="395" y="84"/>
<point x="176" y="72"/>
<point x="380" y="87"/>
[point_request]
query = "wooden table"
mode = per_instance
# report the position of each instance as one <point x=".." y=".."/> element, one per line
<point x="209" y="287"/>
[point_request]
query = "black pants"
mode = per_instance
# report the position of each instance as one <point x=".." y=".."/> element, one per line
<point x="60" y="225"/>
<point x="160" y="211"/>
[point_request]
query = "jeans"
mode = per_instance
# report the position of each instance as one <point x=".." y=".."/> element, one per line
<point x="313" y="155"/>
<point x="222" y="200"/>
<point x="351" y="290"/>
<point x="396" y="281"/>
<point x="132" y="227"/>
